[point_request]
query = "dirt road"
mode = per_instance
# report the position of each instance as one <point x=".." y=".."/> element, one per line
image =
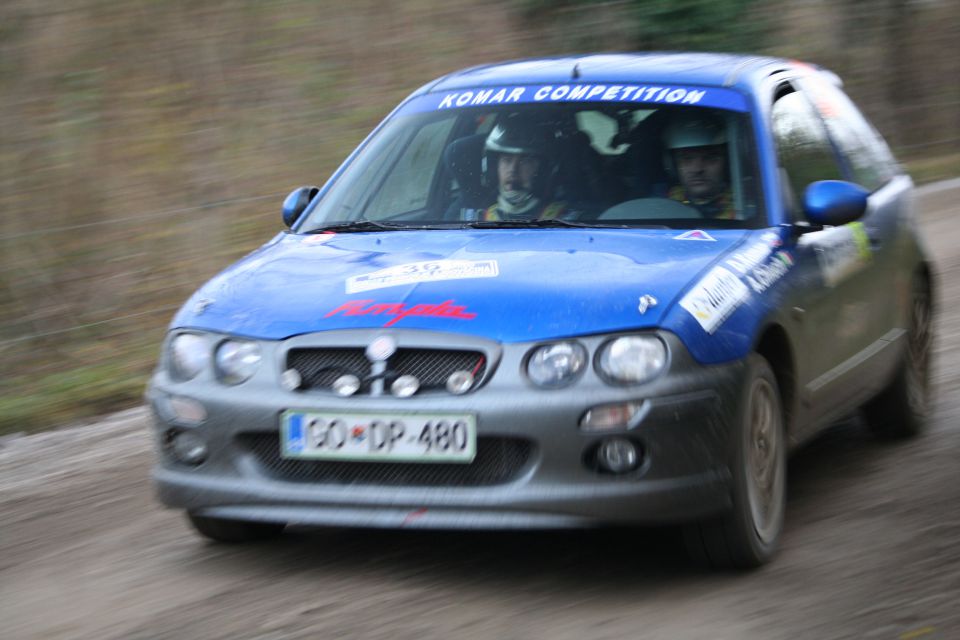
<point x="871" y="548"/>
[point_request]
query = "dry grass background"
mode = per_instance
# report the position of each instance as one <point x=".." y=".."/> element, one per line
<point x="146" y="144"/>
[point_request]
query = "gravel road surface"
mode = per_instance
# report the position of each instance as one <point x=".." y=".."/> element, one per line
<point x="871" y="547"/>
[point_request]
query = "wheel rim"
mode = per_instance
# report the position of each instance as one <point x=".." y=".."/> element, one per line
<point x="918" y="353"/>
<point x="765" y="461"/>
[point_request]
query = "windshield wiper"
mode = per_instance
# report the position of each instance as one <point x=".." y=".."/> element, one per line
<point x="359" y="225"/>
<point x="525" y="224"/>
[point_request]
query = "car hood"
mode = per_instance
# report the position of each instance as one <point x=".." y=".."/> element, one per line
<point x="506" y="285"/>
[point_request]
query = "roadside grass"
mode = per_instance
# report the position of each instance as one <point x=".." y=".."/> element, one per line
<point x="79" y="379"/>
<point x="96" y="359"/>
<point x="30" y="404"/>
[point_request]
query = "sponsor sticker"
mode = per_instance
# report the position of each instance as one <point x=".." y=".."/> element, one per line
<point x="841" y="251"/>
<point x="578" y="92"/>
<point x="573" y="93"/>
<point x="696" y="234"/>
<point x="714" y="298"/>
<point x="761" y="264"/>
<point x="416" y="272"/>
<point x="397" y="311"/>
<point x="744" y="261"/>
<point x="765" y="275"/>
<point x="319" y="238"/>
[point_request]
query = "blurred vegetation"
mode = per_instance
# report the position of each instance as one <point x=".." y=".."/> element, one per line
<point x="144" y="145"/>
<point x="649" y="25"/>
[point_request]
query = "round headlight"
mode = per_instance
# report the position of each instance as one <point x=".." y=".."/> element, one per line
<point x="237" y="360"/>
<point x="633" y="358"/>
<point x="555" y="365"/>
<point x="189" y="353"/>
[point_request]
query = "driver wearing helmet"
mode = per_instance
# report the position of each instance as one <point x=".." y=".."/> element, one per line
<point x="521" y="154"/>
<point x="697" y="144"/>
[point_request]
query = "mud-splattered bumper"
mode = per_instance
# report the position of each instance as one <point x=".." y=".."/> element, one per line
<point x="535" y="465"/>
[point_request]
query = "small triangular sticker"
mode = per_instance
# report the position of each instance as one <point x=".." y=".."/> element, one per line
<point x="696" y="234"/>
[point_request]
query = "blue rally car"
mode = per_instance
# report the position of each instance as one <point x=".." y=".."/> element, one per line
<point x="609" y="289"/>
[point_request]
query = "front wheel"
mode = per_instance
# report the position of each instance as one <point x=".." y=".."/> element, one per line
<point x="234" y="531"/>
<point x="748" y="535"/>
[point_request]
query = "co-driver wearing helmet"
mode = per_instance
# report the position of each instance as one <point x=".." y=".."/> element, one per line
<point x="698" y="146"/>
<point x="520" y="151"/>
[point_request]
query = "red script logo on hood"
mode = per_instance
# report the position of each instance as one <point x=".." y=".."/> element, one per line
<point x="399" y="311"/>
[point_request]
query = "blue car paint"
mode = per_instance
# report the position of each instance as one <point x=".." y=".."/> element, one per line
<point x="290" y="286"/>
<point x="293" y="284"/>
<point x="834" y="202"/>
<point x="734" y="338"/>
<point x="694" y="69"/>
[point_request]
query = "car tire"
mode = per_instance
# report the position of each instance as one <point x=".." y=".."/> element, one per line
<point x="234" y="531"/>
<point x="748" y="535"/>
<point x="901" y="409"/>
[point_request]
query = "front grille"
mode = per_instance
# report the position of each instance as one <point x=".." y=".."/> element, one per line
<point x="319" y="368"/>
<point x="498" y="461"/>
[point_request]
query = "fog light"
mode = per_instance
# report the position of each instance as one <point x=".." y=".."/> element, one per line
<point x="188" y="447"/>
<point x="346" y="385"/>
<point x="459" y="382"/>
<point x="618" y="455"/>
<point x="405" y="386"/>
<point x="610" y="416"/>
<point x="187" y="410"/>
<point x="291" y="380"/>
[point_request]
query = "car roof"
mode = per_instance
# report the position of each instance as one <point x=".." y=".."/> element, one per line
<point x="704" y="69"/>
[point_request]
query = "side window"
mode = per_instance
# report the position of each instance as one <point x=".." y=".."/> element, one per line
<point x="803" y="147"/>
<point x="407" y="186"/>
<point x="870" y="161"/>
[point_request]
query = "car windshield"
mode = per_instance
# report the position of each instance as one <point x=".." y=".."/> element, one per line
<point x="610" y="164"/>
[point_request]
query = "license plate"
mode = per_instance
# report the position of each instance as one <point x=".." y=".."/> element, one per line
<point x="391" y="437"/>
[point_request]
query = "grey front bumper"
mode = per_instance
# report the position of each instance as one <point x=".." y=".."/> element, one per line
<point x="682" y="430"/>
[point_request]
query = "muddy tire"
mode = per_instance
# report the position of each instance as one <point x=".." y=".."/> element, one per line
<point x="748" y="535"/>
<point x="234" y="531"/>
<point x="901" y="410"/>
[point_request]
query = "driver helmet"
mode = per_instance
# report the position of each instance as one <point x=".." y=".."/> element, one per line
<point x="519" y="135"/>
<point x="692" y="129"/>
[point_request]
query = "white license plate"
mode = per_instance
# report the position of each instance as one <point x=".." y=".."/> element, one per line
<point x="393" y="437"/>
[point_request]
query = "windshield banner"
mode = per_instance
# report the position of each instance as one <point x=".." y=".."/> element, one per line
<point x="572" y="92"/>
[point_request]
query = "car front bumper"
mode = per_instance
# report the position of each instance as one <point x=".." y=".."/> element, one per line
<point x="681" y="430"/>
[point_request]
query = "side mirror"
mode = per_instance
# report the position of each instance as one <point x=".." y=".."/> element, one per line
<point x="296" y="202"/>
<point x="834" y="202"/>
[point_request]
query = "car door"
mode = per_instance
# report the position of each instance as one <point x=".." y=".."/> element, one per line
<point x="866" y="160"/>
<point x="836" y="295"/>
